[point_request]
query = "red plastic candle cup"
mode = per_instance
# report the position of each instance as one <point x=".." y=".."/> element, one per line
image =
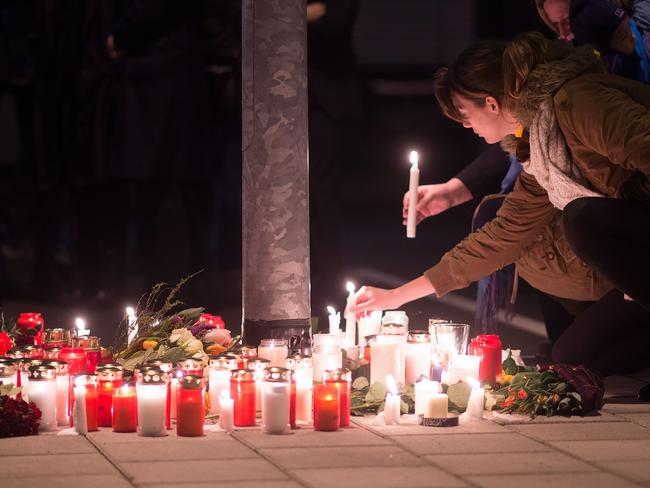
<point x="247" y="353"/>
<point x="327" y="407"/>
<point x="342" y="378"/>
<point x="292" y="402"/>
<point x="33" y="321"/>
<point x="125" y="409"/>
<point x="92" y="347"/>
<point x="367" y="341"/>
<point x="75" y="357"/>
<point x="5" y="343"/>
<point x="56" y="338"/>
<point x="190" y="410"/>
<point x="488" y="348"/>
<point x="242" y="391"/>
<point x="191" y="366"/>
<point x="108" y="379"/>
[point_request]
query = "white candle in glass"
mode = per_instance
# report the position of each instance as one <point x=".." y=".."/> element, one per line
<point x="276" y="397"/>
<point x="350" y="319"/>
<point x="62" y="396"/>
<point x="369" y="325"/>
<point x="418" y="356"/>
<point x="226" y="411"/>
<point x="414" y="182"/>
<point x="463" y="366"/>
<point x="275" y="350"/>
<point x="385" y="358"/>
<point x="42" y="392"/>
<point x="324" y="358"/>
<point x="476" y="402"/>
<point x="437" y="406"/>
<point x="219" y="379"/>
<point x="327" y="340"/>
<point x="79" y="410"/>
<point x="334" y="319"/>
<point x="152" y="400"/>
<point x="132" y="324"/>
<point x="392" y="405"/>
<point x="423" y="389"/>
<point x="304" y="385"/>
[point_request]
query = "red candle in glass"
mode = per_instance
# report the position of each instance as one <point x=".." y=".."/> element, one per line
<point x="125" y="409"/>
<point x="30" y="321"/>
<point x="75" y="357"/>
<point x="167" y="368"/>
<point x="488" y="348"/>
<point x="190" y="410"/>
<point x="292" y="402"/>
<point x="92" y="349"/>
<point x="342" y="378"/>
<point x="327" y="408"/>
<point x="108" y="379"/>
<point x="242" y="391"/>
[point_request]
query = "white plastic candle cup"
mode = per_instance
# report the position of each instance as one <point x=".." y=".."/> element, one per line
<point x="464" y="366"/>
<point x="275" y="350"/>
<point x="418" y="356"/>
<point x="324" y="358"/>
<point x="152" y="401"/>
<point x="42" y="391"/>
<point x="276" y="396"/>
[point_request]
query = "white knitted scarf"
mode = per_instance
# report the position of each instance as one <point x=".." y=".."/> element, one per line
<point x="550" y="163"/>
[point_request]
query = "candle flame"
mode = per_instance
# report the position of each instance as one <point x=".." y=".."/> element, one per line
<point x="331" y="310"/>
<point x="413" y="157"/>
<point x="473" y="382"/>
<point x="80" y="323"/>
<point x="130" y="311"/>
<point x="225" y="395"/>
<point x="390" y="383"/>
<point x="350" y="286"/>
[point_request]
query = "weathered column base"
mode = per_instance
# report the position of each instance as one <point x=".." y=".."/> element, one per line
<point x="297" y="332"/>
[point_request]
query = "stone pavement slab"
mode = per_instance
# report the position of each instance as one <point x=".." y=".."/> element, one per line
<point x="631" y="406"/>
<point x="638" y="471"/>
<point x="378" y="477"/>
<point x="231" y="484"/>
<point x="642" y="419"/>
<point x="308" y="437"/>
<point x="643" y="375"/>
<point x="622" y="386"/>
<point x="580" y="431"/>
<point x="45" y="444"/>
<point x="469" y="443"/>
<point x="323" y="457"/>
<point x="512" y="419"/>
<point x="54" y="465"/>
<point x="105" y="436"/>
<point x="90" y="481"/>
<point x="623" y="450"/>
<point x="521" y="463"/>
<point x="406" y="427"/>
<point x="574" y="480"/>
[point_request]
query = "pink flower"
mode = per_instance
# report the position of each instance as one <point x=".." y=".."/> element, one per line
<point x="218" y="336"/>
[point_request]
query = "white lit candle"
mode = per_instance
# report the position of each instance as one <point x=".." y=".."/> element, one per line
<point x="437" y="406"/>
<point x="463" y="366"/>
<point x="131" y="320"/>
<point x="304" y="385"/>
<point x="276" y="397"/>
<point x="392" y="405"/>
<point x="79" y="410"/>
<point x="334" y="320"/>
<point x="80" y="324"/>
<point x="414" y="181"/>
<point x="350" y="319"/>
<point x="226" y="409"/>
<point x="219" y="382"/>
<point x="476" y="402"/>
<point x="423" y="389"/>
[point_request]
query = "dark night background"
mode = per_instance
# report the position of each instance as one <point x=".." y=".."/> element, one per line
<point x="60" y="225"/>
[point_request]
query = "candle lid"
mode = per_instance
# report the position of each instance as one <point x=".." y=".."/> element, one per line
<point x="258" y="363"/>
<point x="88" y="343"/>
<point x="57" y="336"/>
<point x="337" y="375"/>
<point x="277" y="375"/>
<point x="60" y="367"/>
<point x="85" y="379"/>
<point x="391" y="328"/>
<point x="109" y="374"/>
<point x="30" y="351"/>
<point x="51" y="352"/>
<point x="166" y="366"/>
<point x="437" y="321"/>
<point x="248" y="351"/>
<point x="15" y="353"/>
<point x="224" y="361"/>
<point x="242" y="374"/>
<point x="41" y="372"/>
<point x="190" y="365"/>
<point x="27" y="363"/>
<point x="192" y="382"/>
<point x="110" y="366"/>
<point x="295" y="361"/>
<point x="273" y="342"/>
<point x="7" y="360"/>
<point x="369" y="339"/>
<point x="7" y="369"/>
<point x="152" y="375"/>
<point x="418" y="336"/>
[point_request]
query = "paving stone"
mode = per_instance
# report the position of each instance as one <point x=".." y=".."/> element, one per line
<point x="93" y="481"/>
<point x="467" y="426"/>
<point x="377" y="477"/>
<point x="55" y="465"/>
<point x="206" y="471"/>
<point x="321" y="457"/>
<point x="638" y="471"/>
<point x="579" y="432"/>
<point x="469" y="443"/>
<point x="108" y="436"/>
<point x="627" y="407"/>
<point x="574" y="480"/>
<point x="231" y="484"/>
<point x="643" y="375"/>
<point x="510" y="419"/>
<point x="642" y="419"/>
<point x="606" y="450"/>
<point x="186" y="449"/>
<point x="522" y="463"/>
<point x="45" y="444"/>
<point x="309" y="438"/>
<point x="622" y="386"/>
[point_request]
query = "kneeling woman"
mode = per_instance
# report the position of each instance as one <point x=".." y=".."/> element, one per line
<point x="584" y="141"/>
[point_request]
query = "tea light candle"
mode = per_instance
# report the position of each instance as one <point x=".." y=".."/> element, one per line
<point x="392" y="405"/>
<point x="414" y="182"/>
<point x="350" y="319"/>
<point x="190" y="414"/>
<point x="341" y="377"/>
<point x="226" y="405"/>
<point x="80" y="325"/>
<point x="276" y="400"/>
<point x="152" y="401"/>
<point x="476" y="402"/>
<point x="275" y="350"/>
<point x="242" y="391"/>
<point x="334" y="319"/>
<point x="326" y="407"/>
<point x="437" y="406"/>
<point x="418" y="359"/>
<point x="42" y="392"/>
<point x="423" y="389"/>
<point x="125" y="409"/>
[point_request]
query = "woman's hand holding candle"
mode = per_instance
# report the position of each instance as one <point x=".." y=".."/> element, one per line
<point x="370" y="298"/>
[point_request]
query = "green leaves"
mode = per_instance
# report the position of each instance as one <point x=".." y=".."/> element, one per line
<point x="509" y="366"/>
<point x="376" y="392"/>
<point x="458" y="396"/>
<point x="360" y="383"/>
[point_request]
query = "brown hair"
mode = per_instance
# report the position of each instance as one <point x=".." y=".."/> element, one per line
<point x="474" y="75"/>
<point x="522" y="55"/>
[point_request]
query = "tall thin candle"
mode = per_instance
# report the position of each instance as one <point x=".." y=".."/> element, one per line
<point x="414" y="181"/>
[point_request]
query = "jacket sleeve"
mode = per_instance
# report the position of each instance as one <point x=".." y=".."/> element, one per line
<point x="483" y="176"/>
<point x="521" y="218"/>
<point x="607" y="121"/>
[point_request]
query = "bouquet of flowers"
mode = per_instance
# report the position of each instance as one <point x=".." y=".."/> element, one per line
<point x="17" y="417"/>
<point x="169" y="335"/>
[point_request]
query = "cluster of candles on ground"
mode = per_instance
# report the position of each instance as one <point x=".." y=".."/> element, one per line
<point x="72" y="385"/>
